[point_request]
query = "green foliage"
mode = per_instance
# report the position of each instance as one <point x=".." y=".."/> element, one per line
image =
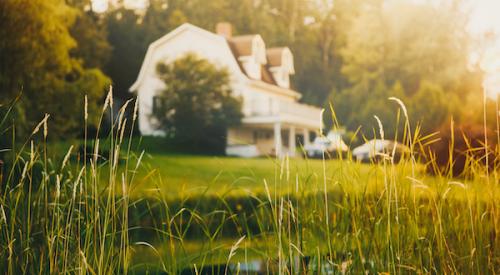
<point x="280" y="22"/>
<point x="62" y="216"/>
<point x="398" y="42"/>
<point x="432" y="106"/>
<point x="354" y="52"/>
<point x="416" y="52"/>
<point x="197" y="106"/>
<point x="91" y="36"/>
<point x="35" y="44"/>
<point x="127" y="39"/>
<point x="36" y="61"/>
<point x="358" y="105"/>
<point x="347" y="52"/>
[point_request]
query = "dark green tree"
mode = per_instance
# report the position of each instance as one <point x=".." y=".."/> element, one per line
<point x="36" y="60"/>
<point x="314" y="43"/>
<point x="128" y="40"/>
<point x="197" y="106"/>
<point x="91" y="35"/>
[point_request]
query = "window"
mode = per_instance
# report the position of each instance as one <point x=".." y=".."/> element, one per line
<point x="312" y="136"/>
<point x="261" y="135"/>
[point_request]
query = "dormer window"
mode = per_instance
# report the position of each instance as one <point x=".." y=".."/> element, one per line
<point x="251" y="52"/>
<point x="280" y="62"/>
<point x="273" y="66"/>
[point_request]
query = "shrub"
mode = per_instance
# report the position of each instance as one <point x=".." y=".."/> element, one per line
<point x="460" y="150"/>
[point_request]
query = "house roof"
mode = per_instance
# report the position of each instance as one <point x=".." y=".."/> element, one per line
<point x="280" y="57"/>
<point x="267" y="76"/>
<point x="242" y="45"/>
<point x="274" y="56"/>
<point x="239" y="45"/>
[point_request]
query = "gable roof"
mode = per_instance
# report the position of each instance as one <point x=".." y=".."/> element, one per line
<point x="239" y="46"/>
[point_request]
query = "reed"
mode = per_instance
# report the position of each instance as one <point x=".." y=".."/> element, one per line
<point x="77" y="214"/>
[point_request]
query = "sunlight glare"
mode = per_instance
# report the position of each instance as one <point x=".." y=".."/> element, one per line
<point x="103" y="5"/>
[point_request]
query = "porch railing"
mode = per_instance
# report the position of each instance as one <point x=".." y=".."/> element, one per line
<point x="273" y="107"/>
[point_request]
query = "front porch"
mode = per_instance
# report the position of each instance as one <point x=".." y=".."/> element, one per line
<point x="268" y="139"/>
<point x="274" y="127"/>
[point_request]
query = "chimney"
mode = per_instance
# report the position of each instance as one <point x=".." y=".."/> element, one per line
<point x="224" y="29"/>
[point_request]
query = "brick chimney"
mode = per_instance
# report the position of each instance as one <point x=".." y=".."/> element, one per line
<point x="224" y="29"/>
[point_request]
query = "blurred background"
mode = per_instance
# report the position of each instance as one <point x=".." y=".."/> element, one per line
<point x="439" y="57"/>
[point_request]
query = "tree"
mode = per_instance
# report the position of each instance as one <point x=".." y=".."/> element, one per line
<point x="280" y="22"/>
<point x="35" y="43"/>
<point x="35" y="59"/>
<point x="197" y="106"/>
<point x="357" y="106"/>
<point x="461" y="150"/>
<point x="127" y="39"/>
<point x="91" y="36"/>
<point x="420" y="47"/>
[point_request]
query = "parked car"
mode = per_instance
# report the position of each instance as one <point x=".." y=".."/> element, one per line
<point x="373" y="150"/>
<point x="330" y="146"/>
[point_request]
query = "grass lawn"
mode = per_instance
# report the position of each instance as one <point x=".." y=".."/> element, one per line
<point x="184" y="174"/>
<point x="361" y="190"/>
<point x="181" y="175"/>
<point x="178" y="210"/>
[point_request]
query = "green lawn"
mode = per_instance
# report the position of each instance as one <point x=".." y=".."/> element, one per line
<point x="181" y="175"/>
<point x="193" y="174"/>
<point x="359" y="192"/>
<point x="178" y="210"/>
<point x="189" y="175"/>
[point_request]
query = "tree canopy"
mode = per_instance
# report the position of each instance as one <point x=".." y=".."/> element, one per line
<point x="36" y="61"/>
<point x="353" y="54"/>
<point x="197" y="106"/>
<point x="416" y="52"/>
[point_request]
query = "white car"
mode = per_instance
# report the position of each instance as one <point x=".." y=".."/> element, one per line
<point x="375" y="148"/>
<point x="328" y="146"/>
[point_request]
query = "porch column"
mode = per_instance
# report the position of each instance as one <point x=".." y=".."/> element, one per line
<point x="277" y="139"/>
<point x="291" y="141"/>
<point x="307" y="138"/>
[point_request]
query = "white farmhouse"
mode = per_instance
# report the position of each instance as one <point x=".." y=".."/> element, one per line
<point x="273" y="119"/>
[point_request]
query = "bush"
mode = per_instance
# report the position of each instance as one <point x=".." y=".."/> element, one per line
<point x="467" y="145"/>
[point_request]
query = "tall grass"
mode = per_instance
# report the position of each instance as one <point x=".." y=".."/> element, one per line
<point x="78" y="214"/>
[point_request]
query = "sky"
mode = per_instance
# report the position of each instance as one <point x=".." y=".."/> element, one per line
<point x="484" y="17"/>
